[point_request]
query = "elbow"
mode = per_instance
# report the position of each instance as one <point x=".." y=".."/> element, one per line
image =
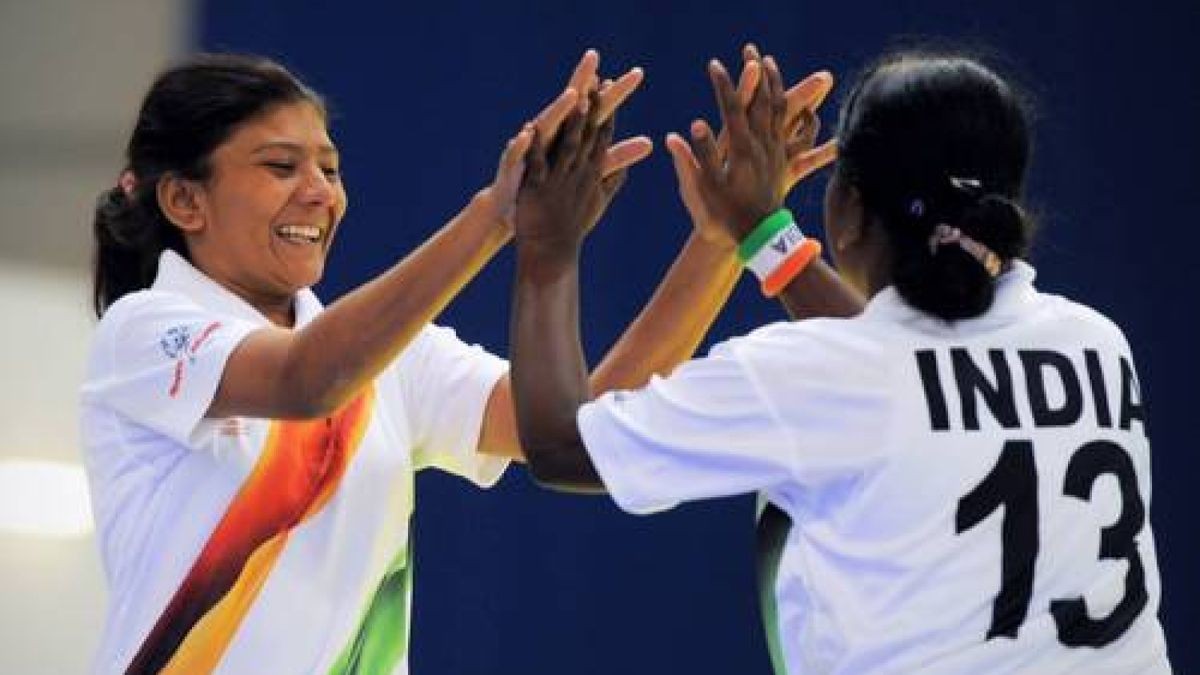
<point x="303" y="401"/>
<point x="562" y="466"/>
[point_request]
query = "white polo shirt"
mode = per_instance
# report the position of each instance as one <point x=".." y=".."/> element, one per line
<point x="252" y="545"/>
<point x="967" y="497"/>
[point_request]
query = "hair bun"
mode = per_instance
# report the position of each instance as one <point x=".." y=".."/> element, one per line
<point x="999" y="223"/>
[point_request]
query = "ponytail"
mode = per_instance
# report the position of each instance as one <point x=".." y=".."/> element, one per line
<point x="954" y="279"/>
<point x="129" y="240"/>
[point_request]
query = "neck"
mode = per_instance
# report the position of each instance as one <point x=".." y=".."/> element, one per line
<point x="278" y="308"/>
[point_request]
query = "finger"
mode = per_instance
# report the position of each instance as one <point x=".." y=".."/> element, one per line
<point x="518" y="146"/>
<point x="806" y="136"/>
<point x="733" y="116"/>
<point x="759" y="110"/>
<point x="687" y="167"/>
<point x="535" y="159"/>
<point x="584" y="78"/>
<point x="777" y="96"/>
<point x="706" y="149"/>
<point x="626" y="153"/>
<point x="809" y="93"/>
<point x="615" y="95"/>
<point x="604" y="136"/>
<point x="566" y="147"/>
<point x="748" y="80"/>
<point x="592" y="144"/>
<point x="550" y="119"/>
<point x="804" y="164"/>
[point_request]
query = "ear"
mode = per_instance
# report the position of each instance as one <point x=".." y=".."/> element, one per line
<point x="854" y="226"/>
<point x="181" y="202"/>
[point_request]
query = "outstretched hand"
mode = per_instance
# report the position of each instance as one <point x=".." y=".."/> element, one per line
<point x="501" y="195"/>
<point x="798" y="132"/>
<point x="565" y="189"/>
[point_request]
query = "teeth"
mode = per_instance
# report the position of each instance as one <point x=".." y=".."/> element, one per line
<point x="308" y="233"/>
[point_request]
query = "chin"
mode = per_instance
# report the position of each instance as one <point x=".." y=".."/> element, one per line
<point x="309" y="276"/>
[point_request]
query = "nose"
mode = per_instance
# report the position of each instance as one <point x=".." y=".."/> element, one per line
<point x="318" y="188"/>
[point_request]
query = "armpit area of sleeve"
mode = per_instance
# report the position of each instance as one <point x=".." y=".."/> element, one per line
<point x="612" y="443"/>
<point x="454" y="445"/>
<point x="202" y="377"/>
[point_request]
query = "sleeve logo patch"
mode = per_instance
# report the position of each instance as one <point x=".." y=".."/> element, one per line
<point x="179" y="345"/>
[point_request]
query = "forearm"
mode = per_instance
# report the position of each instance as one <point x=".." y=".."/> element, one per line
<point x="674" y="320"/>
<point x="349" y="343"/>
<point x="549" y="373"/>
<point x="818" y="291"/>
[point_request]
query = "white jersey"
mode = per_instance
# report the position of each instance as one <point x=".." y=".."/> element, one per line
<point x="243" y="545"/>
<point x="964" y="498"/>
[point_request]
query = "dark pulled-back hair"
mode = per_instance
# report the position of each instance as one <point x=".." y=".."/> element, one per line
<point x="191" y="109"/>
<point x="931" y="139"/>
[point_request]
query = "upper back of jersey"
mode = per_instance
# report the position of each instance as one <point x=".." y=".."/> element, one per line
<point x="967" y="497"/>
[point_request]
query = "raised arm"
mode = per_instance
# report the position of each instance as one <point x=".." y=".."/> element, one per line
<point x="817" y="291"/>
<point x="310" y="372"/>
<point x="738" y="188"/>
<point x="688" y="299"/>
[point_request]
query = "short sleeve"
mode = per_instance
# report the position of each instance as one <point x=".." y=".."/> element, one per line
<point x="157" y="360"/>
<point x="705" y="431"/>
<point x="445" y="384"/>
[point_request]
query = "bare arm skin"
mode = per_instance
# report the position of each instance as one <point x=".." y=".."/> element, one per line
<point x="737" y="192"/>
<point x="692" y="293"/>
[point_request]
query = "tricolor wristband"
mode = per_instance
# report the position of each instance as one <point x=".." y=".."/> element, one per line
<point x="776" y="251"/>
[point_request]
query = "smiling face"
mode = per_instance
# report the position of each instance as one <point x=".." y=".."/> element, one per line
<point x="267" y="214"/>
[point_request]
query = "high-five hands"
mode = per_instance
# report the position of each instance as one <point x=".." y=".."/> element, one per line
<point x="798" y="132"/>
<point x="565" y="189"/>
<point x="501" y="195"/>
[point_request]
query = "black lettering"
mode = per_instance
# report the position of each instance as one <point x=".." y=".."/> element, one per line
<point x="1099" y="392"/>
<point x="1036" y="362"/>
<point x="1131" y="408"/>
<point x="935" y="398"/>
<point x="970" y="379"/>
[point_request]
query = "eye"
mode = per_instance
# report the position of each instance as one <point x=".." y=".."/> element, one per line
<point x="333" y="173"/>
<point x="281" y="168"/>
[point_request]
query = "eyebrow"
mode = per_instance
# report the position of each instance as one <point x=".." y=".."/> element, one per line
<point x="323" y="149"/>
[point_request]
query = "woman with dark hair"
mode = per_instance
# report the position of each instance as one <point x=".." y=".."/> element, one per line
<point x="958" y="478"/>
<point x="251" y="454"/>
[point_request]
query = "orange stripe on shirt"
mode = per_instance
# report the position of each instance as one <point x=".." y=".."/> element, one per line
<point x="299" y="469"/>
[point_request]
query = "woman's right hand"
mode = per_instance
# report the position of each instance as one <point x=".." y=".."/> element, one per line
<point x="565" y="189"/>
<point x="501" y="195"/>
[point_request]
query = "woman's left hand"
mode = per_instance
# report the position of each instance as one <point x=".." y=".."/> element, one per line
<point x="798" y="131"/>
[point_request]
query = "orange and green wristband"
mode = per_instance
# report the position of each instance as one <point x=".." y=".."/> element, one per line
<point x="777" y="251"/>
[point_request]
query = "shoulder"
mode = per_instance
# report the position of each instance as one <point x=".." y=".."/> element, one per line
<point x="146" y="304"/>
<point x="830" y="345"/>
<point x="1083" y="319"/>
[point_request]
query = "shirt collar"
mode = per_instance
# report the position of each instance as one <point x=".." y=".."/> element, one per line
<point x="1014" y="292"/>
<point x="177" y="275"/>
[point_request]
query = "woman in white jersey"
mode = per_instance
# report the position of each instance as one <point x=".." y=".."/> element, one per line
<point x="251" y="454"/>
<point x="962" y="469"/>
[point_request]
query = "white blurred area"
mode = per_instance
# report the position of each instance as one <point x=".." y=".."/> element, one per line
<point x="72" y="73"/>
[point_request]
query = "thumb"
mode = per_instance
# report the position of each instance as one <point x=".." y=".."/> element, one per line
<point x="684" y="161"/>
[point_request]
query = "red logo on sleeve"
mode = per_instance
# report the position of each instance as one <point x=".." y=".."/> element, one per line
<point x="179" y="344"/>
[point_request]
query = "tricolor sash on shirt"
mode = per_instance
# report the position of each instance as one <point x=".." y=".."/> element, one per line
<point x="299" y="470"/>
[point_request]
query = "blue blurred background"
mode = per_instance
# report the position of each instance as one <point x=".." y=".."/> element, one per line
<point x="517" y="579"/>
<point x="521" y="580"/>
